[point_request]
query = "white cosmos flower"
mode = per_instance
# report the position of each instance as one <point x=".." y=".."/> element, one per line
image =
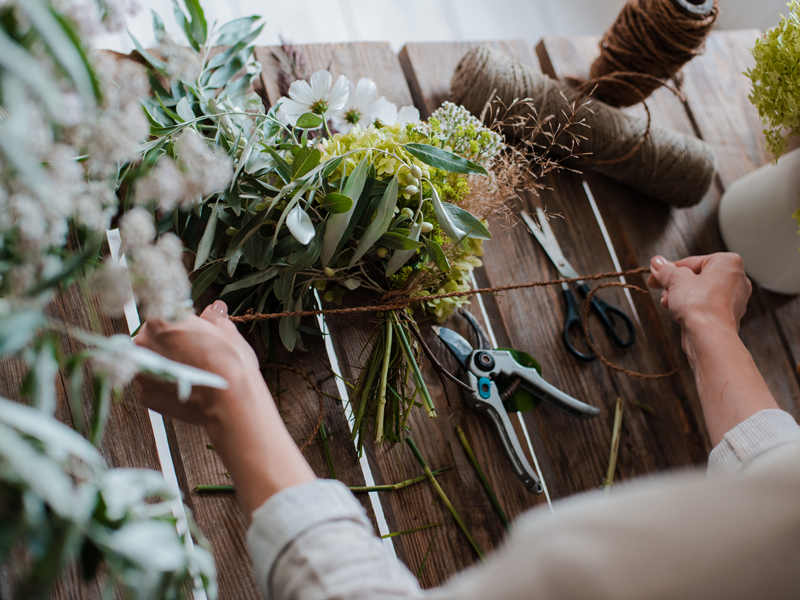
<point x="361" y="106"/>
<point x="389" y="115"/>
<point x="316" y="96"/>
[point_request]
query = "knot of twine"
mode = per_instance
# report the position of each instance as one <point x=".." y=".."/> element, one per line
<point x="401" y="299"/>
<point x="647" y="45"/>
<point x="664" y="164"/>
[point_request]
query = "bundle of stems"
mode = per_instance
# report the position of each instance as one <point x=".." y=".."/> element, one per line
<point x="383" y="399"/>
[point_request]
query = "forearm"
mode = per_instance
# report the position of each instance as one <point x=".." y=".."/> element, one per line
<point x="730" y="387"/>
<point x="257" y="450"/>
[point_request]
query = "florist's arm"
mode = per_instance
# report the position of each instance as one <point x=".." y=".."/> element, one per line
<point x="707" y="296"/>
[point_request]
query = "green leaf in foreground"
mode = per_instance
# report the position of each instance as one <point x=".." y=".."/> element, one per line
<point x="522" y="399"/>
<point x="336" y="203"/>
<point x="309" y="121"/>
<point x="442" y="159"/>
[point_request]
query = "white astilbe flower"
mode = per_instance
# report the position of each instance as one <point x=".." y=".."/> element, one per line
<point x="205" y="170"/>
<point x="118" y="368"/>
<point x="165" y="184"/>
<point x="317" y="95"/>
<point x="137" y="230"/>
<point x="160" y="282"/>
<point x="95" y="206"/>
<point x="361" y="106"/>
<point x="453" y="121"/>
<point x="112" y="283"/>
<point x="389" y="115"/>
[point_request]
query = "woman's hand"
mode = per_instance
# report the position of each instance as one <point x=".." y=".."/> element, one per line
<point x="210" y="342"/>
<point x="701" y="291"/>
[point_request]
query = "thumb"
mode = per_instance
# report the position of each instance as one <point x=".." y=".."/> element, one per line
<point x="213" y="312"/>
<point x="661" y="272"/>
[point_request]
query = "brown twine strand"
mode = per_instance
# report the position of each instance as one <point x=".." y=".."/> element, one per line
<point x="587" y="304"/>
<point x="400" y="299"/>
<point x="274" y="365"/>
<point x="645" y="47"/>
<point x="663" y="164"/>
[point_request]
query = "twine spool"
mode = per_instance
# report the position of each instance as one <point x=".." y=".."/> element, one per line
<point x="647" y="45"/>
<point x="666" y="165"/>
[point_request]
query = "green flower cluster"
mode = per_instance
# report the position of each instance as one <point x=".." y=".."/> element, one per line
<point x="776" y="81"/>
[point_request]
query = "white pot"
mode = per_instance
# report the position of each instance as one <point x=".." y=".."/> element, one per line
<point x="755" y="219"/>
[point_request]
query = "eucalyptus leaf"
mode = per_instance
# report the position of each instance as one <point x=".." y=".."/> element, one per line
<point x="184" y="110"/>
<point x="308" y="121"/>
<point x="312" y="252"/>
<point x="287" y="328"/>
<point x="235" y="47"/>
<point x="336" y="203"/>
<point x="436" y="255"/>
<point x="185" y="24"/>
<point x="17" y="329"/>
<point x="284" y="168"/>
<point x="233" y="31"/>
<point x="351" y="283"/>
<point x="337" y="223"/>
<point x="305" y="160"/>
<point x="300" y="225"/>
<point x="401" y="257"/>
<point x="396" y="241"/>
<point x="380" y="223"/>
<point x="454" y="221"/>
<point x="158" y="65"/>
<point x="442" y="159"/>
<point x="233" y="262"/>
<point x="247" y="230"/>
<point x="199" y="25"/>
<point x="207" y="241"/>
<point x="224" y="74"/>
<point x="205" y="279"/>
<point x="284" y="286"/>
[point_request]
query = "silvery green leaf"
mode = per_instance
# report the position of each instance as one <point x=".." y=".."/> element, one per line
<point x="351" y="283"/>
<point x="244" y="156"/>
<point x="153" y="545"/>
<point x="233" y="31"/>
<point x="41" y="474"/>
<point x="18" y="61"/>
<point x="151" y="363"/>
<point x="204" y="248"/>
<point x="455" y="222"/>
<point x="380" y="223"/>
<point x="124" y="491"/>
<point x="337" y="223"/>
<point x="300" y="225"/>
<point x="233" y="261"/>
<point x="442" y="159"/>
<point x="57" y="437"/>
<point x="17" y="329"/>
<point x="287" y="328"/>
<point x="251" y="280"/>
<point x="43" y="371"/>
<point x="400" y="257"/>
<point x="286" y="211"/>
<point x="184" y="110"/>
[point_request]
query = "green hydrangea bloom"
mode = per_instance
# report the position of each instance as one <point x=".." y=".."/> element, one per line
<point x="776" y="81"/>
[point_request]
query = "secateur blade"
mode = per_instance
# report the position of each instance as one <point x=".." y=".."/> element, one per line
<point x="460" y="347"/>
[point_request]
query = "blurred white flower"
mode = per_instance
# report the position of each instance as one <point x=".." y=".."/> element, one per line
<point x="317" y="95"/>
<point x="205" y="170"/>
<point x="112" y="283"/>
<point x="160" y="282"/>
<point x="164" y="183"/>
<point x="118" y="367"/>
<point x="95" y="205"/>
<point x="136" y="230"/>
<point x="360" y="107"/>
<point x="389" y="115"/>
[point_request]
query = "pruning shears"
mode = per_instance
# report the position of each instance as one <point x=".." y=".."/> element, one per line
<point x="486" y="369"/>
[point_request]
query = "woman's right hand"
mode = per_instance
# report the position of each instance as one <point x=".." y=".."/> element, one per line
<point x="701" y="291"/>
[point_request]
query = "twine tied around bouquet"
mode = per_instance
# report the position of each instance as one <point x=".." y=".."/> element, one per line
<point x="401" y="299"/>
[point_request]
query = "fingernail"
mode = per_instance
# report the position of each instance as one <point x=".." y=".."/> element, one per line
<point x="659" y="261"/>
<point x="220" y="307"/>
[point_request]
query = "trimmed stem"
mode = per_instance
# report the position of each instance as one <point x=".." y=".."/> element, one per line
<point x="418" y="380"/>
<point x="485" y="482"/>
<point x="390" y="487"/>
<point x="443" y="496"/>
<point x="612" y="457"/>
<point x="396" y="533"/>
<point x="427" y="554"/>
<point x="326" y="447"/>
<point x="387" y="357"/>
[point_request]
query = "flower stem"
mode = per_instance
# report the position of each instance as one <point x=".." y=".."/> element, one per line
<point x="443" y="496"/>
<point x="612" y="457"/>
<point x="485" y="482"/>
<point x="326" y="447"/>
<point x="387" y="357"/>
<point x="418" y="380"/>
<point x="427" y="554"/>
<point x="390" y="487"/>
<point x="396" y="533"/>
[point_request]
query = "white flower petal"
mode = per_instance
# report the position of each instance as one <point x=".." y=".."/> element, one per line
<point x="290" y="108"/>
<point x="372" y="110"/>
<point x="363" y="93"/>
<point x="337" y="97"/>
<point x="387" y="113"/>
<point x="320" y="84"/>
<point x="407" y="114"/>
<point x="301" y="92"/>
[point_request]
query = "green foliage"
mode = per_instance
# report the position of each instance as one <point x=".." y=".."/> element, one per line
<point x="776" y="81"/>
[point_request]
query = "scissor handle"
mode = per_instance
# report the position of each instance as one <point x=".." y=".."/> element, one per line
<point x="574" y="321"/>
<point x="608" y="315"/>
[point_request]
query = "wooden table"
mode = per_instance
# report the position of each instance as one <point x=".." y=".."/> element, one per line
<point x="572" y="454"/>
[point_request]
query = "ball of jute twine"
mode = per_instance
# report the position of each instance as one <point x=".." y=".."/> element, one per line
<point x="647" y="45"/>
<point x="663" y="164"/>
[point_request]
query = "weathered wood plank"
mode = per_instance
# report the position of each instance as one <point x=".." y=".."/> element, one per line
<point x="640" y="228"/>
<point x="532" y="321"/>
<point x="435" y="437"/>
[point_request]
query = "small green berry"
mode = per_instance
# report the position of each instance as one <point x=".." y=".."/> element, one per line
<point x="416" y="172"/>
<point x="231" y="231"/>
<point x="411" y="190"/>
<point x="413" y="181"/>
<point x="426" y="227"/>
<point x="408" y="212"/>
<point x="330" y="272"/>
<point x="382" y="252"/>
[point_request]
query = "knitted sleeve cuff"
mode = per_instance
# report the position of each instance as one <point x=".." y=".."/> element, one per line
<point x="761" y="432"/>
<point x="293" y="511"/>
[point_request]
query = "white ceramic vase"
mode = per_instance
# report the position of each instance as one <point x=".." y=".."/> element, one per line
<point x="755" y="219"/>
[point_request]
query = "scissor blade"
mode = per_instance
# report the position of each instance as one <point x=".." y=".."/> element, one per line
<point x="547" y="240"/>
<point x="460" y="347"/>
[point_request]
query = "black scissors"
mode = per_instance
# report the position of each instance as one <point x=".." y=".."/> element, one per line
<point x="606" y="313"/>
